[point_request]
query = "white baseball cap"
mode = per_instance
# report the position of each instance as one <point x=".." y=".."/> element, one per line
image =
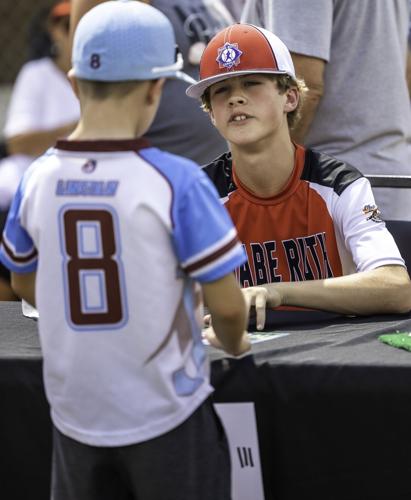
<point x="122" y="40"/>
<point x="241" y="49"/>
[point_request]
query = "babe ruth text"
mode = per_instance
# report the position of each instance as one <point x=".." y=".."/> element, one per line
<point x="297" y="259"/>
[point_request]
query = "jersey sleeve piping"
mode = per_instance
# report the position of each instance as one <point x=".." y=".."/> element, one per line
<point x="18" y="262"/>
<point x="229" y="261"/>
<point x="211" y="254"/>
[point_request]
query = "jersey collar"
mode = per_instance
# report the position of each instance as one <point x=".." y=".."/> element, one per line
<point x="103" y="146"/>
<point x="289" y="188"/>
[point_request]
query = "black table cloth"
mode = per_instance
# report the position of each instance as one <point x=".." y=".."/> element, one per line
<point x="333" y="407"/>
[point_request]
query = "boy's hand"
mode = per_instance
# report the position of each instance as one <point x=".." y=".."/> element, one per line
<point x="260" y="298"/>
<point x="210" y="336"/>
<point x="243" y="347"/>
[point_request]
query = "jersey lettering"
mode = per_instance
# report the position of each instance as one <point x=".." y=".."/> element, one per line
<point x="272" y="262"/>
<point x="293" y="260"/>
<point x="259" y="263"/>
<point x="308" y="273"/>
<point x="327" y="267"/>
<point x="245" y="276"/>
<point x="311" y="243"/>
<point x="302" y="259"/>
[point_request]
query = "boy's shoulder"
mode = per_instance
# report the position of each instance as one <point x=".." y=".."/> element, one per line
<point x="325" y="170"/>
<point x="40" y="166"/>
<point x="319" y="168"/>
<point x="220" y="172"/>
<point x="175" y="168"/>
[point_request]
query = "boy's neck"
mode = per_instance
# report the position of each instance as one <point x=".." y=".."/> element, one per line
<point x="265" y="171"/>
<point x="112" y="119"/>
<point x="93" y="132"/>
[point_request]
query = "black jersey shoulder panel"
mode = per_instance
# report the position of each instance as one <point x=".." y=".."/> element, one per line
<point x="318" y="167"/>
<point x="220" y="172"/>
<point x="328" y="171"/>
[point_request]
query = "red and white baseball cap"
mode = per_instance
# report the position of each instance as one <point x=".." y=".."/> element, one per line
<point x="238" y="50"/>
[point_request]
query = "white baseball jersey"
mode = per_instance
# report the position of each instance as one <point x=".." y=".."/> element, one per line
<point x="119" y="233"/>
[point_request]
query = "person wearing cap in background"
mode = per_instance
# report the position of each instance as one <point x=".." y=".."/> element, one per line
<point x="42" y="108"/>
<point x="308" y="222"/>
<point x="104" y="237"/>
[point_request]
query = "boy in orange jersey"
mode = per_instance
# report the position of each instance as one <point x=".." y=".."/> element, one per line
<point x="308" y="222"/>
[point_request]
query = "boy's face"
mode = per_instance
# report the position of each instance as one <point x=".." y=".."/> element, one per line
<point x="248" y="109"/>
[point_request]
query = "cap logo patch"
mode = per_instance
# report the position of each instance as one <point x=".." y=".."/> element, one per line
<point x="229" y="55"/>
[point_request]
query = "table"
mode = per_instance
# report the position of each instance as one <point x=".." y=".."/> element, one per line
<point x="333" y="407"/>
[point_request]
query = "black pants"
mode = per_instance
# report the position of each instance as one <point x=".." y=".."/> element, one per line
<point x="191" y="462"/>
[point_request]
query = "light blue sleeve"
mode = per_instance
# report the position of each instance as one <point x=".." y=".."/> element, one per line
<point x="205" y="239"/>
<point x="17" y="250"/>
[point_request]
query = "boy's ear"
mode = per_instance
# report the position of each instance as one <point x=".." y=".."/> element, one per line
<point x="73" y="82"/>
<point x="292" y="100"/>
<point x="211" y="114"/>
<point x="155" y="89"/>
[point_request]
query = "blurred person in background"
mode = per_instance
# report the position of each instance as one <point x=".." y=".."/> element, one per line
<point x="409" y="57"/>
<point x="352" y="56"/>
<point x="180" y="126"/>
<point x="42" y="107"/>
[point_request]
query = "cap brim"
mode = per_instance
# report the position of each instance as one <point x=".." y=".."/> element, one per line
<point x="198" y="89"/>
<point x="186" y="78"/>
<point x="174" y="71"/>
<point x="179" y="75"/>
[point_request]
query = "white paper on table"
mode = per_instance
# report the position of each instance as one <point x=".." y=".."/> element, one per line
<point x="29" y="311"/>
<point x="257" y="337"/>
<point x="241" y="429"/>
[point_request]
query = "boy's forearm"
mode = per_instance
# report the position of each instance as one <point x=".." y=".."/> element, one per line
<point x="229" y="313"/>
<point x="383" y="290"/>
<point x="36" y="143"/>
<point x="24" y="286"/>
<point x="232" y="333"/>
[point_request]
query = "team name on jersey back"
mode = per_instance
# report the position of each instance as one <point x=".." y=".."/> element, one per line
<point x="86" y="188"/>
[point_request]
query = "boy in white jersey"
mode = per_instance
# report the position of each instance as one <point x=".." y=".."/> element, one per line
<point x="107" y="236"/>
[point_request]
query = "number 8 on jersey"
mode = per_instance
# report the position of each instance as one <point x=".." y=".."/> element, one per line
<point x="94" y="282"/>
